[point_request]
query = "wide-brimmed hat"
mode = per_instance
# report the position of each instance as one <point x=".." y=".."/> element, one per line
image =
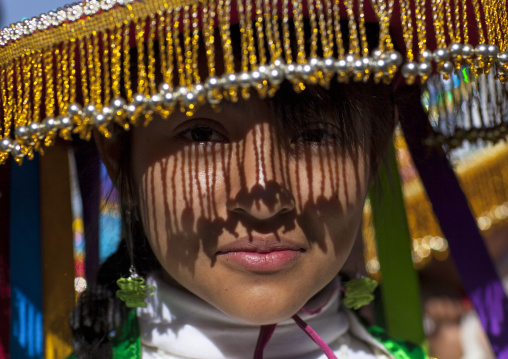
<point x="91" y="64"/>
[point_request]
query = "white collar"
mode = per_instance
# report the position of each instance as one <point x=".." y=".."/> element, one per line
<point x="177" y="324"/>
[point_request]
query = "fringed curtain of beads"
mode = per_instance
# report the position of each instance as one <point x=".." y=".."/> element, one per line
<point x="69" y="71"/>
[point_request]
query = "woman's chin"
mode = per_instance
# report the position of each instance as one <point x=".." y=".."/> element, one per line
<point x="262" y="312"/>
<point x="260" y="318"/>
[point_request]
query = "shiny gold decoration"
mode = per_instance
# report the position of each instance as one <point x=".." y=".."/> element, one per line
<point x="60" y="76"/>
<point x="483" y="177"/>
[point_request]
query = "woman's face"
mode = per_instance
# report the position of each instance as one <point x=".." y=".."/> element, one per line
<point x="252" y="219"/>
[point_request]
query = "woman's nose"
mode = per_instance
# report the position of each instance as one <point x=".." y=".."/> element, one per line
<point x="258" y="186"/>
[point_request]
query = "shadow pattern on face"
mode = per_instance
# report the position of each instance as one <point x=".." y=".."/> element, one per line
<point x="302" y="168"/>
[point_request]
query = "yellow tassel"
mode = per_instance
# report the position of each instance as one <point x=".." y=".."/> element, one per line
<point x="151" y="56"/>
<point x="178" y="50"/>
<point x="83" y="49"/>
<point x="49" y="83"/>
<point x="116" y="58"/>
<point x="168" y="75"/>
<point x="141" y="67"/>
<point x="106" y="58"/>
<point x="95" y="71"/>
<point x="127" y="62"/>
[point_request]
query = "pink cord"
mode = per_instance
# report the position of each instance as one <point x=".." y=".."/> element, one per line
<point x="265" y="333"/>
<point x="315" y="337"/>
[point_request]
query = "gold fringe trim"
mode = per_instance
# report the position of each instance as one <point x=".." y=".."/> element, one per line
<point x="483" y="178"/>
<point x="84" y="53"/>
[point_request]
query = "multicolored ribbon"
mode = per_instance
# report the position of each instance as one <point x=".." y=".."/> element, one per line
<point x="400" y="285"/>
<point x="467" y="248"/>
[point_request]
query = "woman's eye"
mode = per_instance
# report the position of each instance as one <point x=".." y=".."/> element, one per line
<point x="316" y="135"/>
<point x="203" y="134"/>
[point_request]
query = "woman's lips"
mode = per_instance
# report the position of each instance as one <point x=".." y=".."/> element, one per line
<point x="261" y="254"/>
<point x="263" y="261"/>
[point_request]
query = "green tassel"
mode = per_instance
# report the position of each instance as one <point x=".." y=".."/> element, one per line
<point x="133" y="291"/>
<point x="359" y="292"/>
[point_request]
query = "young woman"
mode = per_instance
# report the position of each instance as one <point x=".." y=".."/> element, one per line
<point x="250" y="212"/>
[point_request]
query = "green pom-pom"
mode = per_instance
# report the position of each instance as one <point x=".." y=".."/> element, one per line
<point x="359" y="292"/>
<point x="133" y="291"/>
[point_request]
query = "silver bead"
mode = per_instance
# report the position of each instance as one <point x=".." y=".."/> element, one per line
<point x="316" y="63"/>
<point x="350" y="60"/>
<point x="139" y="100"/>
<point x="409" y="69"/>
<point x="291" y="71"/>
<point x="168" y="99"/>
<point x="89" y="110"/>
<point x="43" y="22"/>
<point x="51" y="124"/>
<point x="66" y="122"/>
<point x="447" y="68"/>
<point x="99" y="120"/>
<point x="360" y="66"/>
<point x="275" y="76"/>
<point x="255" y="77"/>
<point x="467" y="51"/>
<point x="424" y="68"/>
<point x="308" y="70"/>
<point x="212" y="83"/>
<point x="260" y="74"/>
<point x="244" y="79"/>
<point x="164" y="87"/>
<point x="381" y="65"/>
<point x="5" y="144"/>
<point x="108" y="112"/>
<point x="74" y="110"/>
<point x="180" y="93"/>
<point x="91" y="7"/>
<point x="441" y="55"/>
<point x="16" y="150"/>
<point x="74" y="12"/>
<point x="341" y="66"/>
<point x="190" y="99"/>
<point x="263" y="70"/>
<point x="231" y="80"/>
<point x="130" y="110"/>
<point x="427" y="56"/>
<point x="376" y="54"/>
<point x="482" y="50"/>
<point x="278" y="63"/>
<point x="493" y="50"/>
<point x="21" y="132"/>
<point x="199" y="90"/>
<point x="395" y="58"/>
<point x="155" y="100"/>
<point x="502" y="58"/>
<point x="107" y="4"/>
<point x="33" y="128"/>
<point x="329" y="64"/>
<point x="367" y="61"/>
<point x="118" y="104"/>
<point x="455" y="49"/>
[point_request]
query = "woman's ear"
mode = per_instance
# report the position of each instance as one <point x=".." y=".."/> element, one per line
<point x="111" y="152"/>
